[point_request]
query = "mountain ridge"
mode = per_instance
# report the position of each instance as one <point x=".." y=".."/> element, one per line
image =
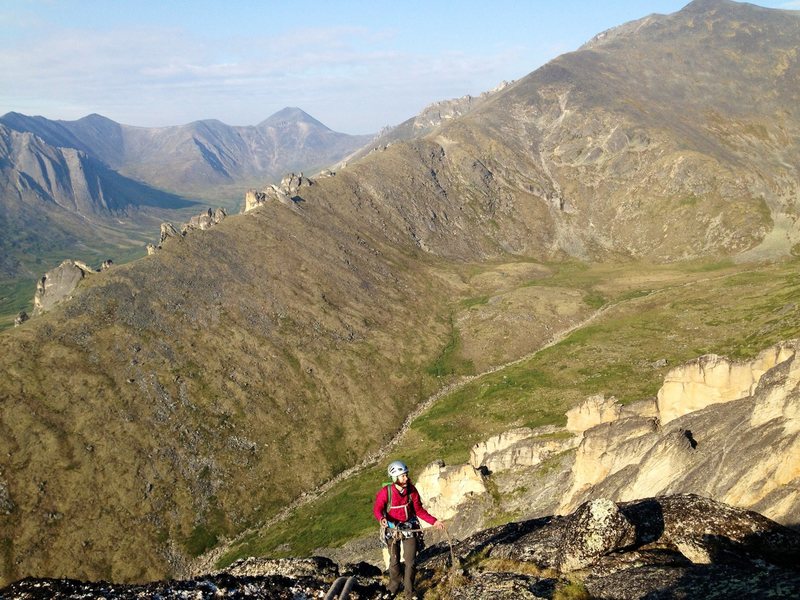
<point x="197" y="156"/>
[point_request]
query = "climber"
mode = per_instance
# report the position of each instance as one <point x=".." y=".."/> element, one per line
<point x="398" y="508"/>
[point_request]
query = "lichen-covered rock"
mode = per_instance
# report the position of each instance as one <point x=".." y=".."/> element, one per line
<point x="710" y="582"/>
<point x="6" y="503"/>
<point x="595" y="529"/>
<point x="706" y="531"/>
<point x="316" y="566"/>
<point x="500" y="586"/>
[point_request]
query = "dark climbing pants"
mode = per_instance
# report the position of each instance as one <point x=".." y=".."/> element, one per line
<point x="409" y="556"/>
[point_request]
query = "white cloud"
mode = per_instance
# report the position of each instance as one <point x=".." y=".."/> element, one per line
<point x="165" y="76"/>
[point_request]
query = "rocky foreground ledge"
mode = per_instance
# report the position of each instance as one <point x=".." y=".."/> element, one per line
<point x="682" y="546"/>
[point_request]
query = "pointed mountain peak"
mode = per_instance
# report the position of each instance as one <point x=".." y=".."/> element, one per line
<point x="96" y="118"/>
<point x="290" y="115"/>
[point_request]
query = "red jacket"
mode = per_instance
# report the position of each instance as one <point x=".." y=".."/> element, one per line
<point x="405" y="508"/>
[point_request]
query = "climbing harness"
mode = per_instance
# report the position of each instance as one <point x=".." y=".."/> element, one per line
<point x="387" y="534"/>
<point x="389" y="505"/>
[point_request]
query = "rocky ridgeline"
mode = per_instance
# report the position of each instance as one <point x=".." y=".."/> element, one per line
<point x="58" y="285"/>
<point x="287" y="192"/>
<point x="205" y="220"/>
<point x="681" y="546"/>
<point x="724" y="429"/>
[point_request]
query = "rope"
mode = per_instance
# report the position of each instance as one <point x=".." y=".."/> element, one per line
<point x="340" y="589"/>
<point x="397" y="534"/>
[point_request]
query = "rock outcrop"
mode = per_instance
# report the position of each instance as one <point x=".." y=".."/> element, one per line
<point x="712" y="379"/>
<point x="58" y="284"/>
<point x="725" y="429"/>
<point x="595" y="410"/>
<point x="444" y="488"/>
<point x="205" y="220"/>
<point x="744" y="451"/>
<point x="520" y="447"/>
<point x="167" y="231"/>
<point x="287" y="192"/>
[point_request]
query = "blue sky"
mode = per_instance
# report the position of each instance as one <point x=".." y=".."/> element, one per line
<point x="356" y="66"/>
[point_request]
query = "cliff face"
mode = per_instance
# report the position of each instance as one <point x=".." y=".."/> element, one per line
<point x="57" y="200"/>
<point x="723" y="429"/>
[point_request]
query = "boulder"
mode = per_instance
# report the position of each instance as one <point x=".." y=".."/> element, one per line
<point x="595" y="529"/>
<point x="58" y="284"/>
<point x="21" y="317"/>
<point x="572" y="542"/>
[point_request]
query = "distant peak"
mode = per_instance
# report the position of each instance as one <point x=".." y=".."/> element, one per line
<point x="95" y="118"/>
<point x="290" y="115"/>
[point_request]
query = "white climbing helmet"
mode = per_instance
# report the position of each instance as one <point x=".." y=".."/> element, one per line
<point x="396" y="469"/>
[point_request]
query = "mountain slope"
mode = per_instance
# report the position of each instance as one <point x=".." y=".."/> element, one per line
<point x="210" y="373"/>
<point x="256" y="359"/>
<point x="612" y="151"/>
<point x="204" y="154"/>
<point x="56" y="198"/>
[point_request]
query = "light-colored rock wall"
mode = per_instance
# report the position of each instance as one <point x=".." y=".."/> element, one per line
<point x="528" y="453"/>
<point x="606" y="449"/>
<point x="497" y="443"/>
<point x="443" y="488"/>
<point x="592" y="411"/>
<point x="712" y="379"/>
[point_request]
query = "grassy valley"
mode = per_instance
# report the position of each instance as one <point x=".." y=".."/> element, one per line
<point x="650" y="312"/>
